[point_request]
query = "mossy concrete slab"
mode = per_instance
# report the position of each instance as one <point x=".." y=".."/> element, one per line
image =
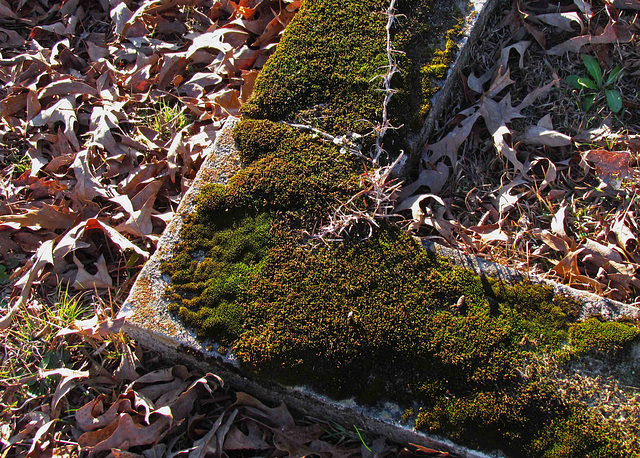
<point x="149" y="322"/>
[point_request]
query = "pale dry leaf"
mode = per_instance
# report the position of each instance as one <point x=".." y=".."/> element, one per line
<point x="39" y="443"/>
<point x="94" y="327"/>
<point x="554" y="242"/>
<point x="614" y="32"/>
<point x="537" y="135"/>
<point x="624" y="236"/>
<point x="414" y="203"/>
<point x="433" y="179"/>
<point x="42" y="258"/>
<point x="85" y="280"/>
<point x="557" y="222"/>
<point x="67" y="382"/>
<point x="490" y="233"/>
<point x="506" y="200"/>
<point x="550" y="174"/>
<point x="563" y="21"/>
<point x="64" y="110"/>
<point x="48" y="217"/>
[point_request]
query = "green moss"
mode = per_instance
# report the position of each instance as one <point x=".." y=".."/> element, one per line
<point x="327" y="67"/>
<point x="338" y="316"/>
<point x="595" y="336"/>
<point x="438" y="66"/>
<point x="531" y="421"/>
<point x="326" y="59"/>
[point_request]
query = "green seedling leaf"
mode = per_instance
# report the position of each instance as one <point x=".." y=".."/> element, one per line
<point x="588" y="101"/>
<point x="614" y="100"/>
<point x="581" y="82"/>
<point x="614" y="75"/>
<point x="593" y="67"/>
<point x="4" y="277"/>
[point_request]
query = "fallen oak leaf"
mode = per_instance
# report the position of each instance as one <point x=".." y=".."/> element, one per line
<point x="610" y="165"/>
<point x="43" y="256"/>
<point x="93" y="327"/>
<point x="253" y="440"/>
<point x="213" y="441"/>
<point x="48" y="217"/>
<point x="125" y="430"/>
<point x="85" y="280"/>
<point x="614" y="32"/>
<point x="65" y="385"/>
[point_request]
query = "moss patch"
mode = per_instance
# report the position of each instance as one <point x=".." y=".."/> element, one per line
<point x="345" y="316"/>
<point x="326" y="68"/>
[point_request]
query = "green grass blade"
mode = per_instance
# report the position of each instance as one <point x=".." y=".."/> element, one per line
<point x="614" y="100"/>
<point x="593" y="67"/>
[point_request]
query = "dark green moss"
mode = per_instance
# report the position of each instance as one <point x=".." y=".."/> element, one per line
<point x="530" y="422"/>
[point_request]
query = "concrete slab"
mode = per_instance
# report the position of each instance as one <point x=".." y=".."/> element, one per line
<point x="149" y="322"/>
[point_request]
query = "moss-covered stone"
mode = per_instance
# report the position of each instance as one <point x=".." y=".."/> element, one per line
<point x="379" y="318"/>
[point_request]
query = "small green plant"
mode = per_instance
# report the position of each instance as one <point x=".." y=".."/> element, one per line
<point x="165" y="118"/>
<point x="596" y="85"/>
<point x="5" y="270"/>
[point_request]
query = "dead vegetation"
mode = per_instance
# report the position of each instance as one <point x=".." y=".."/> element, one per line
<point x="520" y="172"/>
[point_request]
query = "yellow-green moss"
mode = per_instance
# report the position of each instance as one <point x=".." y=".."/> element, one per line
<point x="440" y="62"/>
<point x="327" y="67"/>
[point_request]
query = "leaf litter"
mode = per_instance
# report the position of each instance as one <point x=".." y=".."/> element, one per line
<point x="107" y="110"/>
<point x="532" y="180"/>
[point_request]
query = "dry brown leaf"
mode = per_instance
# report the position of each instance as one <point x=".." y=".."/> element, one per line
<point x="129" y="362"/>
<point x="212" y="442"/>
<point x="610" y="165"/>
<point x="38" y="443"/>
<point x="614" y="32"/>
<point x="253" y="440"/>
<point x="449" y="145"/>
<point x="563" y="21"/>
<point x="94" y="327"/>
<point x="624" y="236"/>
<point x="85" y="280"/>
<point x="48" y="217"/>
<point x="433" y="179"/>
<point x="124" y="432"/>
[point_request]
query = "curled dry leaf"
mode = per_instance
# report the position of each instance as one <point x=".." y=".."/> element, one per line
<point x="614" y="32"/>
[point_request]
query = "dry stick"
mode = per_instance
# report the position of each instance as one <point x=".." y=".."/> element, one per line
<point x="391" y="70"/>
<point x="377" y="185"/>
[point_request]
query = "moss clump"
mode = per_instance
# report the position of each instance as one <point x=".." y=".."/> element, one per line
<point x="531" y="421"/>
<point x="327" y="58"/>
<point x="595" y="336"/>
<point x="327" y="66"/>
